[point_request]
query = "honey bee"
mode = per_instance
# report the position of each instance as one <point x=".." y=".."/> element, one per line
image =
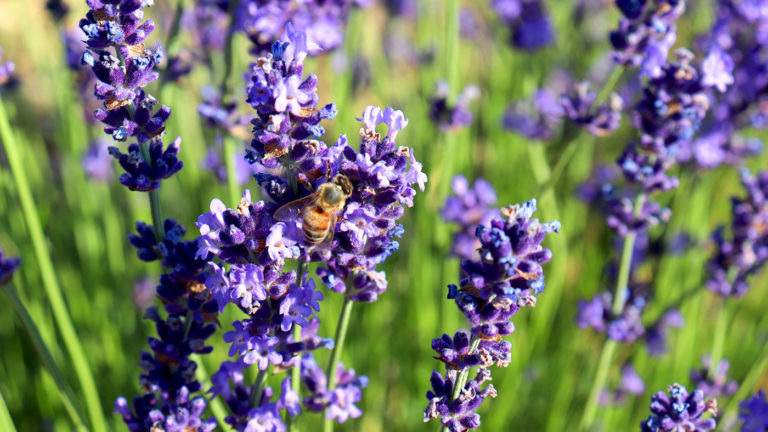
<point x="320" y="210"/>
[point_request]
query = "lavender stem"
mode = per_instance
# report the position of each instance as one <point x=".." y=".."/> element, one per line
<point x="341" y="334"/>
<point x="719" y="340"/>
<point x="609" y="347"/>
<point x="296" y="370"/>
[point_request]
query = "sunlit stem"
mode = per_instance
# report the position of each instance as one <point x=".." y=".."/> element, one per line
<point x="341" y="334"/>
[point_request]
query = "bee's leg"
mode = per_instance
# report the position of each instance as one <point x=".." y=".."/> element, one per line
<point x="327" y="169"/>
<point x="307" y="184"/>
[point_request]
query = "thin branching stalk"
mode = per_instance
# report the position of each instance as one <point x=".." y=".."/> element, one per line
<point x="50" y="281"/>
<point x="610" y="345"/>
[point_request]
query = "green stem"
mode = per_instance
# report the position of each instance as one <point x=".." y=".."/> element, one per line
<point x="610" y="83"/>
<point x="258" y="386"/>
<point x="719" y="340"/>
<point x="154" y="199"/>
<point x="50" y="283"/>
<point x="6" y="422"/>
<point x="230" y="145"/>
<point x="461" y="380"/>
<point x="228" y="47"/>
<point x="65" y="392"/>
<point x="756" y="372"/>
<point x="452" y="49"/>
<point x="217" y="407"/>
<point x="609" y="346"/>
<point x="341" y="334"/>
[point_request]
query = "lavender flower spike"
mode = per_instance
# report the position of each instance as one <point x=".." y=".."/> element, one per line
<point x="115" y="32"/>
<point x="680" y="411"/>
<point x="504" y="277"/>
<point x="735" y="260"/>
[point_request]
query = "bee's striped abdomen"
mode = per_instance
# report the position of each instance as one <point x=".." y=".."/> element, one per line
<point x="315" y="225"/>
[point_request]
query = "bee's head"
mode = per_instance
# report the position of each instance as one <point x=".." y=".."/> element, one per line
<point x="343" y="182"/>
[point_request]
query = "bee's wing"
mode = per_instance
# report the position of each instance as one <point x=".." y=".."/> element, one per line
<point x="293" y="209"/>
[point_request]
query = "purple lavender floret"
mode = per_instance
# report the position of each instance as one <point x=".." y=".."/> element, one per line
<point x="145" y="175"/>
<point x="746" y="252"/>
<point x="180" y="415"/>
<point x="719" y="386"/>
<point x="679" y="411"/>
<point x="7" y="267"/>
<point x="538" y="119"/>
<point x="599" y="121"/>
<point x="657" y="334"/>
<point x="468" y="208"/>
<point x="753" y="413"/>
<point x="529" y="23"/>
<point x="115" y="32"/>
<point x="454" y="117"/>
<point x="504" y="277"/>
<point x="338" y="404"/>
<point x="457" y="415"/>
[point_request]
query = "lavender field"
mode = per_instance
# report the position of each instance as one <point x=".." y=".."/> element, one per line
<point x="383" y="215"/>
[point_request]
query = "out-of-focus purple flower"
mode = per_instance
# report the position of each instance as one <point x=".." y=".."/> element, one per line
<point x="753" y="413"/>
<point x="57" y="8"/>
<point x="7" y="267"/>
<point x="657" y="333"/>
<point x="264" y="21"/>
<point x="7" y="79"/>
<point x="716" y="69"/>
<point x="528" y="21"/>
<point x="143" y="294"/>
<point x="97" y="162"/>
<point x="631" y="384"/>
<point x="625" y="327"/>
<point x="679" y="411"/>
<point x="505" y="276"/>
<point x="600" y="120"/>
<point x="468" y="208"/>
<point x="715" y="387"/>
<point x="735" y="260"/>
<point x="538" y="119"/>
<point x="453" y="117"/>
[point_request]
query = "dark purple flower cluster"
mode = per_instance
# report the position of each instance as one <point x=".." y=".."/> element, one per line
<point x="529" y="23"/>
<point x="7" y="79"/>
<point x="680" y="411"/>
<point x="627" y="326"/>
<point x="115" y="31"/>
<point x="468" y="208"/>
<point x="191" y="317"/>
<point x="8" y="266"/>
<point x="454" y="117"/>
<point x="323" y="22"/>
<point x="599" y="121"/>
<point x="737" y="65"/>
<point x="717" y="386"/>
<point x="504" y="277"/>
<point x="735" y="260"/>
<point x="753" y="413"/>
<point x="645" y="33"/>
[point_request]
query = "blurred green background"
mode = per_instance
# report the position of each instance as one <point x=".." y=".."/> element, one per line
<point x="553" y="362"/>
